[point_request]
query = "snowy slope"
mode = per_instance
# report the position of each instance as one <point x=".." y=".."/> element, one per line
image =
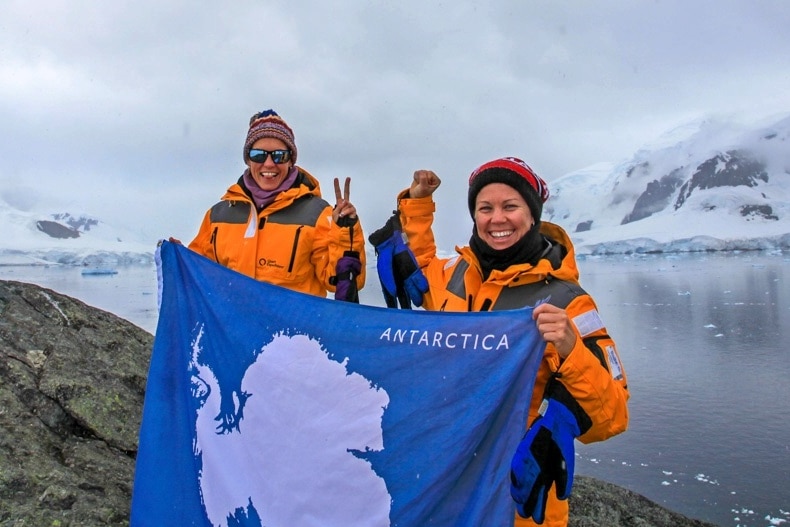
<point x="30" y="238"/>
<point x="708" y="185"/>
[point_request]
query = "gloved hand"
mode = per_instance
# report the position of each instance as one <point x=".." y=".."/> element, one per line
<point x="546" y="453"/>
<point x="397" y="268"/>
<point x="345" y="280"/>
<point x="407" y="274"/>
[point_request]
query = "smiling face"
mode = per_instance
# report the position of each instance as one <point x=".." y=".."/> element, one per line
<point x="502" y="216"/>
<point x="269" y="175"/>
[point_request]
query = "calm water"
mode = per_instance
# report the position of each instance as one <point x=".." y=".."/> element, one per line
<point x="704" y="339"/>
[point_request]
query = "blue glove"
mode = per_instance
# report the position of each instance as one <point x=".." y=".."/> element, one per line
<point x="401" y="279"/>
<point x="407" y="274"/>
<point x="546" y="453"/>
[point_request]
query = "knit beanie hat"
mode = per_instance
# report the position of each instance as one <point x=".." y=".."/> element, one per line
<point x="515" y="173"/>
<point x="268" y="124"/>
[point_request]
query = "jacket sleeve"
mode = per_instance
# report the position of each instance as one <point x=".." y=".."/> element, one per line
<point x="594" y="375"/>
<point x="416" y="216"/>
<point x="330" y="243"/>
<point x="201" y="244"/>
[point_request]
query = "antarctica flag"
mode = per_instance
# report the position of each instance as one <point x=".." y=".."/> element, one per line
<point x="272" y="408"/>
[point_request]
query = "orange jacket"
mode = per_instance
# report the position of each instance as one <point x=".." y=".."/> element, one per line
<point x="292" y="242"/>
<point x="592" y="373"/>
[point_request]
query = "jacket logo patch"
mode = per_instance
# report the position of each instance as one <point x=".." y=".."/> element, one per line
<point x="263" y="262"/>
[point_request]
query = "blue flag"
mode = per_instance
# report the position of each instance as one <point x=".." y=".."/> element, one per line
<point x="272" y="408"/>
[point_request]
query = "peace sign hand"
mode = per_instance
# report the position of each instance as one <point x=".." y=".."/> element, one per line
<point x="344" y="214"/>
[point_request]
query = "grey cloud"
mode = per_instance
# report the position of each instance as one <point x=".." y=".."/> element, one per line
<point x="151" y="99"/>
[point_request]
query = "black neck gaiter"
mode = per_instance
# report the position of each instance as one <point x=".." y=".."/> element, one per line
<point x="528" y="249"/>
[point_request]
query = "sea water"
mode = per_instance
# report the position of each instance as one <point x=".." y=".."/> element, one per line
<point x="704" y="339"/>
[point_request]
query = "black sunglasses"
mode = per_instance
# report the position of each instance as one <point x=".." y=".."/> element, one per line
<point x="278" y="156"/>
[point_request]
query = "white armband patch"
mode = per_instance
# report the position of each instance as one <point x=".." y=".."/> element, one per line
<point x="588" y="322"/>
<point x="614" y="363"/>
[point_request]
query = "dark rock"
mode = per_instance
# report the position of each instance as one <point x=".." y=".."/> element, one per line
<point x="596" y="503"/>
<point x="72" y="381"/>
<point x="730" y="169"/>
<point x="655" y="198"/>
<point x="78" y="223"/>
<point x="765" y="211"/>
<point x="56" y="230"/>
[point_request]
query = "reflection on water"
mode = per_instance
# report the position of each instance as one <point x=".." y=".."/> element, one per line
<point x="704" y="340"/>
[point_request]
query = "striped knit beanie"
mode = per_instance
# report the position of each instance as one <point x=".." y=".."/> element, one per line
<point x="514" y="172"/>
<point x="268" y="124"/>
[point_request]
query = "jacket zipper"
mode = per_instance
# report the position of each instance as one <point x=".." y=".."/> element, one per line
<point x="293" y="249"/>
<point x="214" y="244"/>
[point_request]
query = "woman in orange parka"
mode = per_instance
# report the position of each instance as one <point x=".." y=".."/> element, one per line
<point x="515" y="260"/>
<point x="273" y="225"/>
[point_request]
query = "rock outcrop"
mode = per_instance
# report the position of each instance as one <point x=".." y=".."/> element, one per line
<point x="596" y="503"/>
<point x="72" y="383"/>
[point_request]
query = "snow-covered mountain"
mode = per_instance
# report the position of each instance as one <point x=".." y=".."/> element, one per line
<point x="711" y="184"/>
<point x="70" y="239"/>
<point x="707" y="185"/>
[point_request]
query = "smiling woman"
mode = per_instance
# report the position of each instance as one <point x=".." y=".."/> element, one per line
<point x="516" y="261"/>
<point x="273" y="225"/>
<point x="506" y="201"/>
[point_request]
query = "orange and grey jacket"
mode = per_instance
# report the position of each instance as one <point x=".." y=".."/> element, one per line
<point x="292" y="242"/>
<point x="592" y="372"/>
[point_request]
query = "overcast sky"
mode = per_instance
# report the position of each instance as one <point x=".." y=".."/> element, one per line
<point x="136" y="112"/>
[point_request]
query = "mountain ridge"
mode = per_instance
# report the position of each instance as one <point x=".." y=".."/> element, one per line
<point x="720" y="187"/>
<point x="68" y="239"/>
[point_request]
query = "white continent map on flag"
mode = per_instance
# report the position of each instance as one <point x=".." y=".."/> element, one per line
<point x="293" y="394"/>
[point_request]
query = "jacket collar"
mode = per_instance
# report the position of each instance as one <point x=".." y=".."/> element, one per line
<point x="520" y="274"/>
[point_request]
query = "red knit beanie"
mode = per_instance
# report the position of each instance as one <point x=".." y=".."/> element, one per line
<point x="515" y="173"/>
